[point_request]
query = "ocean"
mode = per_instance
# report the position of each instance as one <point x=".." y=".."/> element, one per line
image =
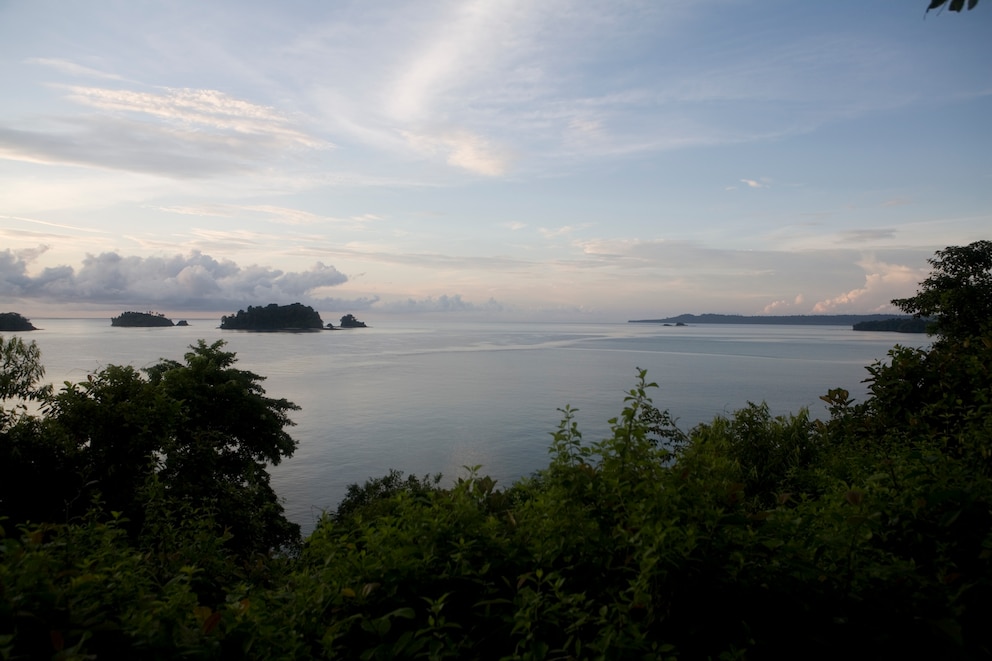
<point x="426" y="397"/>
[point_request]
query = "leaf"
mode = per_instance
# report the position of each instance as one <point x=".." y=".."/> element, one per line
<point x="211" y="622"/>
<point x="406" y="613"/>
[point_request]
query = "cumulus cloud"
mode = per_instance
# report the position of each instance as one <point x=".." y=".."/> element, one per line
<point x="883" y="282"/>
<point x="188" y="282"/>
<point x="784" y="305"/>
<point x="443" y="303"/>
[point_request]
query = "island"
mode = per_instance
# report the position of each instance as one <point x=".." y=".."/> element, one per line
<point x="349" y="321"/>
<point x="274" y="317"/>
<point x="895" y="325"/>
<point x="141" y="320"/>
<point x="11" y="321"/>
<point x="789" y="320"/>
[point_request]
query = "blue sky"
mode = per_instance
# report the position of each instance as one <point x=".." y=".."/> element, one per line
<point x="488" y="159"/>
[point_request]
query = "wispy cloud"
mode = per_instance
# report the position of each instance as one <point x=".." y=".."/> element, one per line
<point x="463" y="149"/>
<point x="179" y="133"/>
<point x="864" y="236"/>
<point x="72" y="68"/>
<point x="201" y="107"/>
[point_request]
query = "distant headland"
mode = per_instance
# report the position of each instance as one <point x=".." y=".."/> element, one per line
<point x="888" y="322"/>
<point x="12" y="321"/>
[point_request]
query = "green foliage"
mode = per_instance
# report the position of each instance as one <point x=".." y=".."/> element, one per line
<point x="376" y="496"/>
<point x="751" y="536"/>
<point x="957" y="294"/>
<point x="81" y="592"/>
<point x="295" y="316"/>
<point x="349" y="321"/>
<point x="12" y="321"/>
<point x="141" y="319"/>
<point x="20" y="372"/>
<point x="204" y="429"/>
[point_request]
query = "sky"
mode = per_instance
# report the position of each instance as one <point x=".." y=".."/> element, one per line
<point x="487" y="159"/>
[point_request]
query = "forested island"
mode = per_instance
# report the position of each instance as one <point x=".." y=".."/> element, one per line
<point x="349" y="321"/>
<point x="141" y="320"/>
<point x="900" y="325"/>
<point x="790" y="320"/>
<point x="274" y="317"/>
<point x="12" y="321"/>
<point x="138" y="521"/>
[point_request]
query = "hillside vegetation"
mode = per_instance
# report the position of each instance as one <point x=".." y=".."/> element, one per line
<point x="140" y="524"/>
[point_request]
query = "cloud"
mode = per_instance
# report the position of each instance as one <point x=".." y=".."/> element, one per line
<point x="883" y="282"/>
<point x="443" y="303"/>
<point x="463" y="149"/>
<point x="784" y="305"/>
<point x="548" y="233"/>
<point x="179" y="133"/>
<point x="71" y="68"/>
<point x="191" y="282"/>
<point x="764" y="182"/>
<point x="862" y="236"/>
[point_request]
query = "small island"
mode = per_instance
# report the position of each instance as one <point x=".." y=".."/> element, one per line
<point x="895" y="325"/>
<point x="349" y="321"/>
<point x="12" y="321"/>
<point x="141" y="320"/>
<point x="274" y="317"/>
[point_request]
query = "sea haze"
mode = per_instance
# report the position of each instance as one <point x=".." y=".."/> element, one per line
<point x="434" y="398"/>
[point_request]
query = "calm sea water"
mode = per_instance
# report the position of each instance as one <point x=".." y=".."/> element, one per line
<point x="426" y="398"/>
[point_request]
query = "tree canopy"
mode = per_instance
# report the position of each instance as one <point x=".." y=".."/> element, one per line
<point x="957" y="295"/>
<point x="198" y="432"/>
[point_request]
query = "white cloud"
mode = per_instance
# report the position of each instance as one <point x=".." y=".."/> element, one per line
<point x="71" y="68"/>
<point x="443" y="303"/>
<point x="192" y="282"/>
<point x="463" y="149"/>
<point x="883" y="282"/>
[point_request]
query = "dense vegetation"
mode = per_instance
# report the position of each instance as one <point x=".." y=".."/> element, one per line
<point x="141" y="320"/>
<point x="349" y="321"/>
<point x="866" y="534"/>
<point x="12" y="321"/>
<point x="295" y="316"/>
<point x="905" y="325"/>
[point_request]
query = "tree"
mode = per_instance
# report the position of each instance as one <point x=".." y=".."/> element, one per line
<point x="958" y="293"/>
<point x="228" y="432"/>
<point x="349" y="321"/>
<point x="196" y="434"/>
<point x="20" y="370"/>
